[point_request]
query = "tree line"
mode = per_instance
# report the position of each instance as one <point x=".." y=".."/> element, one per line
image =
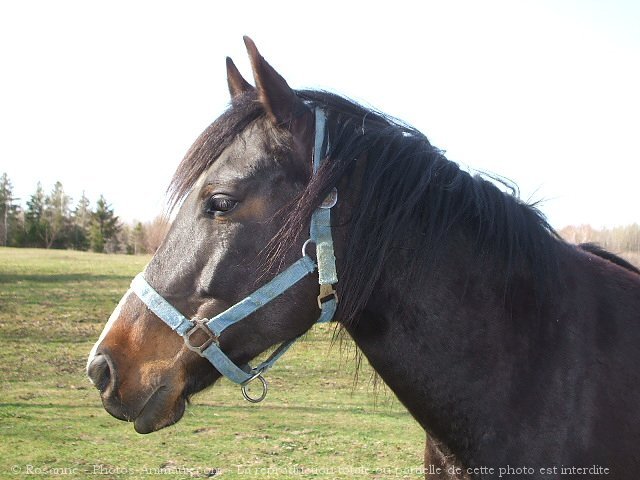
<point x="617" y="239"/>
<point x="53" y="220"/>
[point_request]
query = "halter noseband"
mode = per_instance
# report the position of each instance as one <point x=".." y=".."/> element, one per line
<point x="320" y="235"/>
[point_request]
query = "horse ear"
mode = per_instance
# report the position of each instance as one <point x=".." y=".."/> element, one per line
<point x="278" y="99"/>
<point x="237" y="84"/>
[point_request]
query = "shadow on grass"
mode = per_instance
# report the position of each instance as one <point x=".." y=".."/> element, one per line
<point x="43" y="405"/>
<point x="62" y="278"/>
<point x="339" y="408"/>
<point x="222" y="408"/>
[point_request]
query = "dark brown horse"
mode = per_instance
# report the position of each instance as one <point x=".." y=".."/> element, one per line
<point x="511" y="348"/>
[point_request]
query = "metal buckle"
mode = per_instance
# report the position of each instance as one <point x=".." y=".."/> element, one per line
<point x="331" y="199"/>
<point x="265" y="388"/>
<point x="211" y="337"/>
<point x="326" y="291"/>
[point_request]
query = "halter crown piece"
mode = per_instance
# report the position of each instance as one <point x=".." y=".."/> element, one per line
<point x="320" y="235"/>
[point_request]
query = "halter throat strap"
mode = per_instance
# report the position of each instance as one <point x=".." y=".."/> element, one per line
<point x="320" y="235"/>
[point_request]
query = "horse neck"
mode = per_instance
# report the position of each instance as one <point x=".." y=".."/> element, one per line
<point x="447" y="348"/>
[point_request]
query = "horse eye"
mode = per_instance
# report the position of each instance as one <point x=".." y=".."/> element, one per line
<point x="219" y="204"/>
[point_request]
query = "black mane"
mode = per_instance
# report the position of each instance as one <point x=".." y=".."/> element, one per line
<point x="211" y="143"/>
<point x="597" y="250"/>
<point x="411" y="197"/>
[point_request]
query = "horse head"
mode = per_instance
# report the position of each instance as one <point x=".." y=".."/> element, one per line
<point x="235" y="187"/>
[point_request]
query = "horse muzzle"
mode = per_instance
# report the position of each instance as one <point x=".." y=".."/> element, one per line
<point x="149" y="409"/>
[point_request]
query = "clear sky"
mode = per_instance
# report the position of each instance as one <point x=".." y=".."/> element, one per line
<point x="108" y="96"/>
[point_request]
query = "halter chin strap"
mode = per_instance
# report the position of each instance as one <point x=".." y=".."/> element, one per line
<point x="320" y="235"/>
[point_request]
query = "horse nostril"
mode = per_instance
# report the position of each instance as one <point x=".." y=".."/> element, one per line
<point x="99" y="372"/>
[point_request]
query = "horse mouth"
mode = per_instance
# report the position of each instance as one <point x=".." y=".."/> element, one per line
<point x="161" y="410"/>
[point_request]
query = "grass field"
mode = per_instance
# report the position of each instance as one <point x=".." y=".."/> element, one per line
<point x="315" y="423"/>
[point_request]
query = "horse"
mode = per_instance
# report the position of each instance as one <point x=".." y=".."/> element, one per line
<point x="515" y="351"/>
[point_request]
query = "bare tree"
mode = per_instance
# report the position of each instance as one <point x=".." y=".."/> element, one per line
<point x="154" y="233"/>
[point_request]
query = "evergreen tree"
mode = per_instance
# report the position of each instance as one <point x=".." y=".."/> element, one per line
<point x="104" y="227"/>
<point x="122" y="241"/>
<point x="80" y="224"/>
<point x="137" y="239"/>
<point x="9" y="213"/>
<point x="96" y="238"/>
<point x="56" y="217"/>
<point x="34" y="222"/>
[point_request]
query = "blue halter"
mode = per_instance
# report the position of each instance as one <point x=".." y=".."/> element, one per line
<point x="320" y="235"/>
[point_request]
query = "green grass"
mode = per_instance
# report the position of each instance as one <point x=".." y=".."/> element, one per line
<point x="315" y="420"/>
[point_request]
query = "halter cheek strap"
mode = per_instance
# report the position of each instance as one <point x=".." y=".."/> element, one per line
<point x="320" y="235"/>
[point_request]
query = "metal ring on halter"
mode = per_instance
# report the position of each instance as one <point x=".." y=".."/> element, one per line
<point x="304" y="246"/>
<point x="265" y="388"/>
